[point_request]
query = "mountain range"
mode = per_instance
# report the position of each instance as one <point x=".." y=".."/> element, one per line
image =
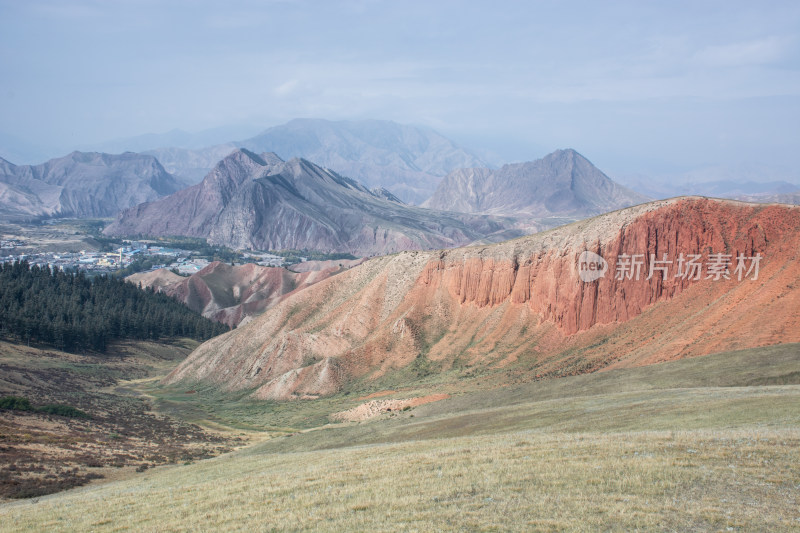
<point x="526" y="307"/>
<point x="561" y="184"/>
<point x="408" y="161"/>
<point x="792" y="198"/>
<point x="82" y="185"/>
<point x="263" y="202"/>
<point x="724" y="181"/>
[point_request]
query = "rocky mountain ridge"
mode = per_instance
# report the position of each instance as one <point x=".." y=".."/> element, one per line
<point x="265" y="203"/>
<point x="792" y="198"/>
<point x="406" y="160"/>
<point x="82" y="185"/>
<point x="561" y="184"/>
<point x="521" y="306"/>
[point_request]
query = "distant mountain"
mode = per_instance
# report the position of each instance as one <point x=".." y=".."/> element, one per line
<point x="406" y="160"/>
<point x="82" y="185"/>
<point x="665" y="187"/>
<point x="263" y="202"/>
<point x="723" y="181"/>
<point x="175" y="138"/>
<point x="792" y="198"/>
<point x="191" y="166"/>
<point x="733" y="189"/>
<point x="563" y="184"/>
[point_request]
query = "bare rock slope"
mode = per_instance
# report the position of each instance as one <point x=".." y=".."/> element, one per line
<point x="82" y="185"/>
<point x="262" y="202"/>
<point x="522" y="304"/>
<point x="561" y="184"/>
<point x="234" y="294"/>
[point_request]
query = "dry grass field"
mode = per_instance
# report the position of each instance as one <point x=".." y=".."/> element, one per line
<point x="42" y="453"/>
<point x="740" y="480"/>
<point x="615" y="451"/>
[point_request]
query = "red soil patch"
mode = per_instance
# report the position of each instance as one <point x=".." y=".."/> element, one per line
<point x="375" y="408"/>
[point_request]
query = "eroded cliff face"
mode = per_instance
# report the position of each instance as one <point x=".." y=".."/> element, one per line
<point x="522" y="305"/>
<point x="234" y="294"/>
<point x="547" y="280"/>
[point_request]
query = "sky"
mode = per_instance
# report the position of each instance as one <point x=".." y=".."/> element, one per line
<point x="638" y="87"/>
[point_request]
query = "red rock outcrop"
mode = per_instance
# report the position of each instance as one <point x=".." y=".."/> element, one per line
<point x="547" y="280"/>
<point x="233" y="294"/>
<point x="521" y="305"/>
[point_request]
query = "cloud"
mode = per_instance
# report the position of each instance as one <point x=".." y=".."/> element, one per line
<point x="287" y="88"/>
<point x="764" y="51"/>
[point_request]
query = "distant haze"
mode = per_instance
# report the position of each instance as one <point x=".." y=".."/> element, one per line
<point x="643" y="89"/>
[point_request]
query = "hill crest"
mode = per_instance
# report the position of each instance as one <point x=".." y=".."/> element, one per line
<point x="520" y="305"/>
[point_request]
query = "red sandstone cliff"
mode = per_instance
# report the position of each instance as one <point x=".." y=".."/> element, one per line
<point x="521" y="305"/>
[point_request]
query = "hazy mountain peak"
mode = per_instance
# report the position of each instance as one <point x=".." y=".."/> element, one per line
<point x="234" y="169"/>
<point x="408" y="161"/>
<point x="243" y="154"/>
<point x="563" y="153"/>
<point x="85" y="184"/>
<point x="563" y="184"/>
<point x="297" y="204"/>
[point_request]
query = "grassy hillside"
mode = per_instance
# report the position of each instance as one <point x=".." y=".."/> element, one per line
<point x="42" y="451"/>
<point x="699" y="444"/>
<point x="772" y="365"/>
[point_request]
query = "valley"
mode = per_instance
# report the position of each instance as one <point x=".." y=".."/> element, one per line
<point x="484" y="387"/>
<point x="411" y="266"/>
<point x="117" y="435"/>
<point x="702" y="443"/>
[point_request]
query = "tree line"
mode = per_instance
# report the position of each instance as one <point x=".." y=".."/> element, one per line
<point x="71" y="312"/>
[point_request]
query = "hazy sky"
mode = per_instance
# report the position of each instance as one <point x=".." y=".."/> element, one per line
<point x="635" y="86"/>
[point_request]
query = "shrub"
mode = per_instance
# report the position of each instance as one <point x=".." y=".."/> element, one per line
<point x="15" y="403"/>
<point x="23" y="404"/>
